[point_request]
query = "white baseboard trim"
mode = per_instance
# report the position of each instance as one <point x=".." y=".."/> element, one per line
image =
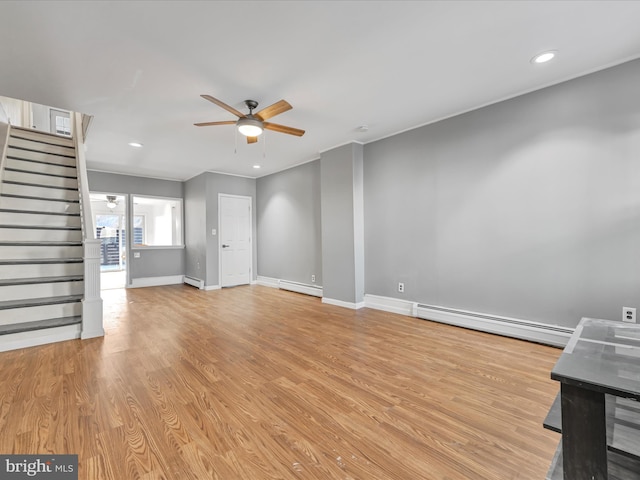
<point x="211" y="287"/>
<point x="156" y="281"/>
<point x="510" y="327"/>
<point x="388" y="304"/>
<point x="340" y="303"/>
<point x="15" y="341"/>
<point x="313" y="290"/>
<point x="194" y="282"/>
<point x="267" y="281"/>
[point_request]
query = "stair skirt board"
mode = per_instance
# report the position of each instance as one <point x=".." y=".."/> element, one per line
<point x="194" y="282"/>
<point x="33" y="338"/>
<point x="509" y="327"/>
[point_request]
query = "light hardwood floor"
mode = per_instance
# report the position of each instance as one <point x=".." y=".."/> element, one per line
<point x="258" y="383"/>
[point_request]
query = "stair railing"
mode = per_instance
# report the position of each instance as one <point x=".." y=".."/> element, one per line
<point x="92" y="303"/>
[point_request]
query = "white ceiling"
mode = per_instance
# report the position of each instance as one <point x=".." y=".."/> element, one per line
<point x="140" y="67"/>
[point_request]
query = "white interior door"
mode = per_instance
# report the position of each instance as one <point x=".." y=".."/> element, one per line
<point x="235" y="240"/>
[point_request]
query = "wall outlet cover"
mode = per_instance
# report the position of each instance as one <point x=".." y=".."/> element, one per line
<point x="629" y="314"/>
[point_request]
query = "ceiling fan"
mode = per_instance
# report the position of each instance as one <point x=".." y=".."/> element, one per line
<point x="253" y="124"/>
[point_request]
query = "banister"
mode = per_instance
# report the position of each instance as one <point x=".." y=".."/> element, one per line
<point x="92" y="303"/>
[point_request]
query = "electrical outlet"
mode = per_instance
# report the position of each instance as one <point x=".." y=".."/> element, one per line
<point x="313" y="278"/>
<point x="401" y="287"/>
<point x="629" y="314"/>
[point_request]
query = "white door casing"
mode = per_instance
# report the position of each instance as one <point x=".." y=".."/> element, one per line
<point x="235" y="231"/>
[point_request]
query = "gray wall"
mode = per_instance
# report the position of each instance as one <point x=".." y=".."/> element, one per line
<point x="288" y="218"/>
<point x="529" y="208"/>
<point x="231" y="185"/>
<point x="156" y="262"/>
<point x="201" y="217"/>
<point x="341" y="184"/>
<point x="195" y="233"/>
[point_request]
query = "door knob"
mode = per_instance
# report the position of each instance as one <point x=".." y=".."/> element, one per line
<point x="225" y="246"/>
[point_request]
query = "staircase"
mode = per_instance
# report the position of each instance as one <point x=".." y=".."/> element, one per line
<point x="41" y="246"/>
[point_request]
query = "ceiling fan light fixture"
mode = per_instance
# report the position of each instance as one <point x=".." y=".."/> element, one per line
<point x="250" y="127"/>
<point x="111" y="202"/>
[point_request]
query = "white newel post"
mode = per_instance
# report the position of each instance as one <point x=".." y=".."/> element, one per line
<point x="92" y="303"/>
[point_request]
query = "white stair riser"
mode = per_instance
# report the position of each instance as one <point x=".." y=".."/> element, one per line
<point x="31" y="314"/>
<point x="40" y="167"/>
<point x="41" y="290"/>
<point x="41" y="147"/>
<point x="39" y="235"/>
<point x="14" y="218"/>
<point x="37" y="205"/>
<point x="43" y="157"/>
<point x="11" y="176"/>
<point x="41" y="192"/>
<point x="38" y="136"/>
<point x="10" y="252"/>
<point x="40" y="270"/>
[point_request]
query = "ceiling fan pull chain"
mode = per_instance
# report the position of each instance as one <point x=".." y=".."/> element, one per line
<point x="235" y="149"/>
<point x="264" y="146"/>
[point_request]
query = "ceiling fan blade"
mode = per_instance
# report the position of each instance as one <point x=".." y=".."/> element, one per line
<point x="273" y="110"/>
<point x="283" y="129"/>
<point x="223" y="105"/>
<point x="252" y="139"/>
<point x="207" y="124"/>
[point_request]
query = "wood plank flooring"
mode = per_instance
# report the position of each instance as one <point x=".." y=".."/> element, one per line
<point x="258" y="383"/>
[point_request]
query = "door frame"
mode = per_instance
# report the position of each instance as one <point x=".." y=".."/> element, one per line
<point x="128" y="222"/>
<point x="219" y="232"/>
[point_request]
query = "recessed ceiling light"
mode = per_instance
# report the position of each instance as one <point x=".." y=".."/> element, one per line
<point x="135" y="144"/>
<point x="256" y="166"/>
<point x="363" y="128"/>
<point x="544" y="57"/>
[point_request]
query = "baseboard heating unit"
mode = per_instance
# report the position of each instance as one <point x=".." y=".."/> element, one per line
<point x="510" y="327"/>
<point x="195" y="282"/>
<point x="314" y="290"/>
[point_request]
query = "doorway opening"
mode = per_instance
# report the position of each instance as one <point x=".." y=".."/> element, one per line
<point x="110" y="218"/>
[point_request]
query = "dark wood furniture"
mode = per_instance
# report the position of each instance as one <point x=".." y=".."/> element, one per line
<point x="597" y="410"/>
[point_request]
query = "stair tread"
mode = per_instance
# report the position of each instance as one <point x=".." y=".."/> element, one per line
<point x="39" y="185"/>
<point x="39" y="325"/>
<point x="38" y="212"/>
<point x="38" y="132"/>
<point x="40" y="227"/>
<point x="29" y="197"/>
<point x="36" y="280"/>
<point x="54" y="164"/>
<point x="36" y="302"/>
<point x="44" y="174"/>
<point x="40" y="261"/>
<point x="25" y="243"/>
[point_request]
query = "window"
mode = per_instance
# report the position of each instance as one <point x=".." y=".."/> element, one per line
<point x="157" y="222"/>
